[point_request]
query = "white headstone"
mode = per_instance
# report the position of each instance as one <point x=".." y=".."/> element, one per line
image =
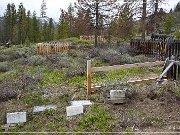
<point x="43" y="108"/>
<point x="74" y="110"/>
<point x="117" y="94"/>
<point x="81" y="102"/>
<point x="16" y="117"/>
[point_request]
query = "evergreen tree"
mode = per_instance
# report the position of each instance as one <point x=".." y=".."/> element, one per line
<point x="9" y="21"/>
<point x="50" y="30"/>
<point x="177" y="8"/>
<point x="45" y="34"/>
<point x="168" y="24"/>
<point x="70" y="19"/>
<point x="35" y="29"/>
<point x="21" y="24"/>
<point x="62" y="27"/>
<point x="29" y="26"/>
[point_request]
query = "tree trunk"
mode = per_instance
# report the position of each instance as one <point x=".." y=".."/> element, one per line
<point x="156" y="6"/>
<point x="96" y="26"/>
<point x="144" y="20"/>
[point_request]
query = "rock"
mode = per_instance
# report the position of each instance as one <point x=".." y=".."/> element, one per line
<point x="81" y="102"/>
<point x="16" y="117"/>
<point x="43" y="108"/>
<point x="74" y="110"/>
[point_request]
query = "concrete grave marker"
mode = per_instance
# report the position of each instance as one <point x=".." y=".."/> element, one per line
<point x="43" y="108"/>
<point x="114" y="94"/>
<point x="81" y="102"/>
<point x="117" y="96"/>
<point x="74" y="110"/>
<point x="16" y="117"/>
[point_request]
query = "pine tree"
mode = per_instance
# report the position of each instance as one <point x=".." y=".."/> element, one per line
<point x="21" y="24"/>
<point x="62" y="27"/>
<point x="45" y="34"/>
<point x="29" y="26"/>
<point x="168" y="23"/>
<point x="9" y="21"/>
<point x="50" y="30"/>
<point x="99" y="11"/>
<point x="35" y="29"/>
<point x="177" y="8"/>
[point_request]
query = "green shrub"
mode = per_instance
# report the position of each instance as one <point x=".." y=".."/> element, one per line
<point x="3" y="58"/>
<point x="37" y="60"/>
<point x="74" y="71"/>
<point x="111" y="56"/>
<point x="177" y="34"/>
<point x="4" y="67"/>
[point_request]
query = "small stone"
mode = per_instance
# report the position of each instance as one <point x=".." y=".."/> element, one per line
<point x="43" y="108"/>
<point x="74" y="110"/>
<point x="17" y="117"/>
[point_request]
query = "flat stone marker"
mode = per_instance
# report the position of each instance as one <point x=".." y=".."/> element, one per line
<point x="16" y="117"/>
<point x="43" y="108"/>
<point x="81" y="102"/>
<point x="117" y="94"/>
<point x="74" y="110"/>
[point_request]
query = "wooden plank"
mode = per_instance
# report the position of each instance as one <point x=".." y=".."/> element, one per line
<point x="142" y="81"/>
<point x="89" y="78"/>
<point x="126" y="66"/>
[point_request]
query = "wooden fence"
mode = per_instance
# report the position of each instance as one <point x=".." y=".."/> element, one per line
<point x="52" y="47"/>
<point x="91" y="69"/>
<point x="100" y="38"/>
<point x="150" y="48"/>
<point x="173" y="53"/>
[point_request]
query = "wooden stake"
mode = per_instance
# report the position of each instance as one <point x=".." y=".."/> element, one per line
<point x="89" y="71"/>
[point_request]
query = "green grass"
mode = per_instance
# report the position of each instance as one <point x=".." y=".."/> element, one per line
<point x="96" y="120"/>
<point x="121" y="74"/>
<point x="52" y="77"/>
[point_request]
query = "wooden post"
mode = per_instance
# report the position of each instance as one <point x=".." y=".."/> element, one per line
<point x="89" y="71"/>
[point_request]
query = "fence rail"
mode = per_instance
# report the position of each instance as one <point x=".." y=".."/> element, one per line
<point x="52" y="47"/>
<point x="91" y="69"/>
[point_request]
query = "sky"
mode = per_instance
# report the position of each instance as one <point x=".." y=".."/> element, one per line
<point x="53" y="6"/>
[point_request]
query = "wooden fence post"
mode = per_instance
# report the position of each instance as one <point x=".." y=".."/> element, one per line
<point x="89" y="71"/>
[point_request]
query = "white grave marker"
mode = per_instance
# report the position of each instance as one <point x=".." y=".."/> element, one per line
<point x="74" y="110"/>
<point x="43" y="108"/>
<point x="17" y="117"/>
<point x="81" y="102"/>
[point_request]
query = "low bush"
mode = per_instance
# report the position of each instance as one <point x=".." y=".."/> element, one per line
<point x="74" y="71"/>
<point x="3" y="57"/>
<point x="110" y="56"/>
<point x="37" y="60"/>
<point x="4" y="67"/>
<point x="177" y="34"/>
<point x="59" y="61"/>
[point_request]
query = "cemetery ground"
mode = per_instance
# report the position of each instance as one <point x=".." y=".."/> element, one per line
<point x="28" y="80"/>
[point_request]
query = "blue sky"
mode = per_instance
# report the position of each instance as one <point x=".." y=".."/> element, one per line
<point x="55" y="5"/>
